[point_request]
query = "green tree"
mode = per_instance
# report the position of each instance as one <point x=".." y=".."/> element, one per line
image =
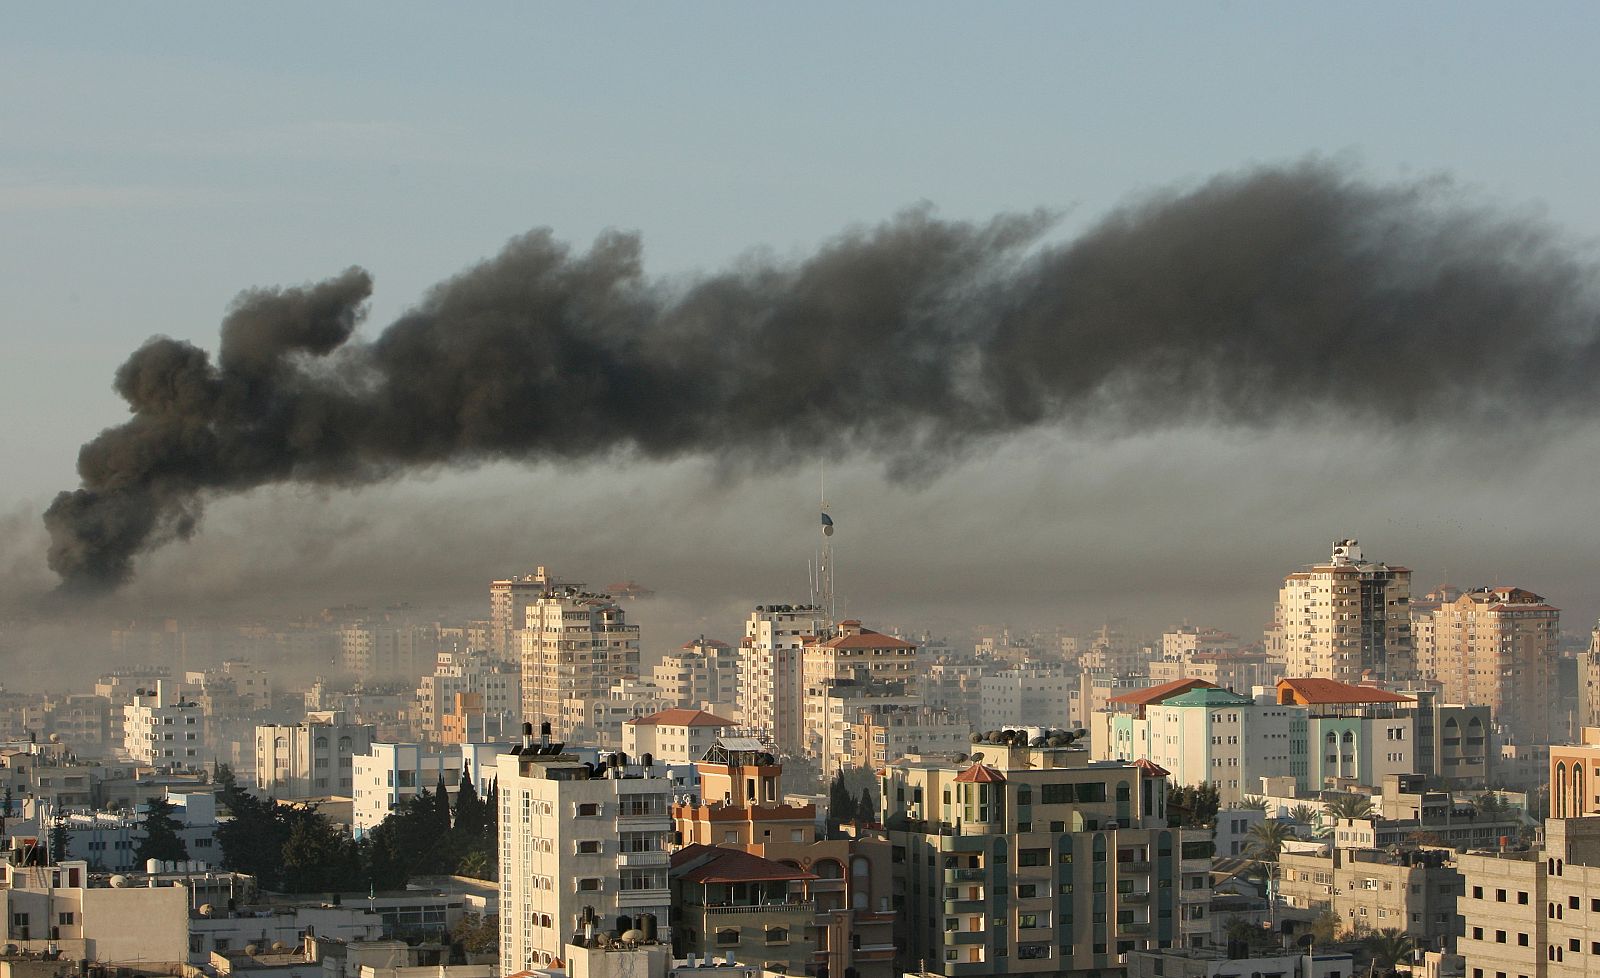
<point x="441" y="796"/>
<point x="1267" y="839"/>
<point x="476" y="934"/>
<point x="866" y="808"/>
<point x="161" y="840"/>
<point x="252" y="840"/>
<point x="60" y="842"/>
<point x="470" y="816"/>
<point x="474" y="864"/>
<point x="1193" y="806"/>
<point x="1388" y="948"/>
<point x="7" y="803"/>
<point x="1348" y="806"/>
<point x="1254" y="803"/>
<point x="1324" y="928"/>
<point x="318" y="856"/>
<point x="841" y="804"/>
<point x="1304" y="814"/>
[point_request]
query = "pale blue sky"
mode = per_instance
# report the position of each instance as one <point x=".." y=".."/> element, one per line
<point x="157" y="158"/>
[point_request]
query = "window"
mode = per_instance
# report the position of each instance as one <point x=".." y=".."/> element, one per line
<point x="777" y="935"/>
<point x="589" y="808"/>
<point x="1573" y="903"/>
<point x="1033" y="857"/>
<point x="589" y="883"/>
<point x="1500" y="896"/>
<point x="1027" y="891"/>
<point x="589" y="846"/>
<point x="727" y="936"/>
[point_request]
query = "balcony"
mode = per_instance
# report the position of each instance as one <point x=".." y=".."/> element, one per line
<point x="1133" y="929"/>
<point x="1133" y="899"/>
<point x="797" y="906"/>
<point x="971" y="875"/>
<point x="835" y="885"/>
<point x="965" y="906"/>
<point x="644" y="860"/>
<point x="644" y="898"/>
<point x="967" y="969"/>
<point x="1139" y="866"/>
<point x="965" y="936"/>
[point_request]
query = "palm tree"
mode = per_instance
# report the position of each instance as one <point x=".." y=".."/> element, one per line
<point x="1253" y="803"/>
<point x="1388" y="948"/>
<point x="1348" y="806"/>
<point x="1267" y="839"/>
<point x="1304" y="814"/>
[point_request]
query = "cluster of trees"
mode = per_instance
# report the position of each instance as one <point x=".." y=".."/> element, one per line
<point x="845" y="806"/>
<point x="1193" y="806"/>
<point x="297" y="849"/>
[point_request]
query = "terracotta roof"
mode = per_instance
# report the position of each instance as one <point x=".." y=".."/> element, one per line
<point x="866" y="638"/>
<point x="1160" y="691"/>
<point x="679" y="717"/>
<point x="1151" y="769"/>
<point x="701" y="863"/>
<point x="1313" y="691"/>
<point x="980" y="774"/>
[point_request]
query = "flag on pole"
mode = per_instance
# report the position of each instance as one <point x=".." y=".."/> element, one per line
<point x="827" y="525"/>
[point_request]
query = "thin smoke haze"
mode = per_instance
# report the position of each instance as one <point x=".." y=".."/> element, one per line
<point x="1258" y="299"/>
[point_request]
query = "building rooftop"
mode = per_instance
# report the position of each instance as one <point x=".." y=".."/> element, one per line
<point x="679" y="717"/>
<point x="1161" y="692"/>
<point x="1314" y="692"/>
<point x="980" y="774"/>
<point x="699" y="863"/>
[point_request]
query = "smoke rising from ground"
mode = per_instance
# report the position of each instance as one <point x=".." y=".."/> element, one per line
<point x="1257" y="299"/>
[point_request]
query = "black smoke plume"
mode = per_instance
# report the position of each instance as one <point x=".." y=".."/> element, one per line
<point x="1260" y="298"/>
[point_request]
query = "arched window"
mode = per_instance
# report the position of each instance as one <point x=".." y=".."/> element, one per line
<point x="1349" y="737"/>
<point x="828" y="869"/>
<point x="1577" y="789"/>
<point x="322" y="743"/>
<point x="1333" y="738"/>
<point x="1560" y="791"/>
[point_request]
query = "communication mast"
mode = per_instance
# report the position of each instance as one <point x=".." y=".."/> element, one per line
<point x="822" y="573"/>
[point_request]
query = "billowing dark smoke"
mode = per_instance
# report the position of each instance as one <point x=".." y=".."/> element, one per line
<point x="1257" y="299"/>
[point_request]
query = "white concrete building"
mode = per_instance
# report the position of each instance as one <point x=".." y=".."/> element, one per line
<point x="389" y="775"/>
<point x="1346" y="618"/>
<point x="1042" y="695"/>
<point x="675" y="736"/>
<point x="311" y="759"/>
<point x="574" y="836"/>
<point x="575" y="646"/>
<point x="161" y="727"/>
<point x="771" y="677"/>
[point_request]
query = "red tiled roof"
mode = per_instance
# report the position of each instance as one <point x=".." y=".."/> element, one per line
<point x="866" y="638"/>
<point x="1161" y="691"/>
<point x="1151" y="768"/>
<point x="980" y="774"/>
<point x="1314" y="691"/>
<point x="679" y="717"/>
<point x="699" y="863"/>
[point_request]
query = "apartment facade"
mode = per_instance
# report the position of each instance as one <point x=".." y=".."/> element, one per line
<point x="573" y="835"/>
<point x="1346" y="619"/>
<point x="675" y="736"/>
<point x="313" y="759"/>
<point x="161" y="727"/>
<point x="1499" y="647"/>
<point x="509" y="598"/>
<point x="388" y="776"/>
<point x="1411" y="889"/>
<point x="772" y="682"/>
<point x="1038" y="861"/>
<point x="575" y="646"/>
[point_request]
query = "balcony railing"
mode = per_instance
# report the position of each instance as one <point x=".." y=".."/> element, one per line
<point x="800" y="906"/>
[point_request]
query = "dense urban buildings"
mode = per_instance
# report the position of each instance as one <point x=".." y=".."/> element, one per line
<point x="575" y="645"/>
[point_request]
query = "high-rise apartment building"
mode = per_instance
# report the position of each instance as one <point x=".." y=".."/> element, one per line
<point x="1498" y="647"/>
<point x="1346" y="619"/>
<point x="1039" y="861"/>
<point x="1589" y="682"/>
<point x="388" y="648"/>
<point x="161" y="727"/>
<point x="772" y="680"/>
<point x="509" y="598"/>
<point x="575" y="646"/>
<point x="702" y="675"/>
<point x="498" y="684"/>
<point x="576" y="836"/>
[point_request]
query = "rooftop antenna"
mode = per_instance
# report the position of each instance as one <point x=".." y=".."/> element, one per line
<point x="822" y="581"/>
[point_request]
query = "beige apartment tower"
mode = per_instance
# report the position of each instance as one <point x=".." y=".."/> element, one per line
<point x="575" y="646"/>
<point x="1498" y="647"/>
<point x="1347" y="619"/>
